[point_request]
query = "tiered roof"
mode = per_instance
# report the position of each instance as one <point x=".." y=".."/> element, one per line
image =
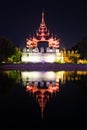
<point x="42" y="34"/>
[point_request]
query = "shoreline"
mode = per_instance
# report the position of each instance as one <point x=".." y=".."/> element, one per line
<point x="43" y="67"/>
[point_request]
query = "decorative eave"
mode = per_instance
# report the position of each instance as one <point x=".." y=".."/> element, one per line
<point x="42" y="34"/>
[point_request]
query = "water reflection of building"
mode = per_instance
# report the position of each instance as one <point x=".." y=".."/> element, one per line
<point x="41" y="84"/>
<point x="38" y="76"/>
<point x="44" y="84"/>
<point x="43" y="91"/>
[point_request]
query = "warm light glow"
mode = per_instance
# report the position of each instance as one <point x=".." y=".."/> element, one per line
<point x="42" y="94"/>
<point x="50" y="75"/>
<point x="39" y="57"/>
<point x="42" y="35"/>
<point x="31" y="76"/>
<point x="50" y="58"/>
<point x="42" y="85"/>
<point x="39" y="76"/>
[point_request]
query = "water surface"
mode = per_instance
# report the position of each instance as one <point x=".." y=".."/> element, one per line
<point x="43" y="100"/>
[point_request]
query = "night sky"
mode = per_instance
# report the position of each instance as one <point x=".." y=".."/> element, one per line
<point x="64" y="18"/>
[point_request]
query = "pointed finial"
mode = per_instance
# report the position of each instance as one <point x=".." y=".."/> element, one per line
<point x="42" y="16"/>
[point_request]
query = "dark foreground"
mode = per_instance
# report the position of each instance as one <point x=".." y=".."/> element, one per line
<point x="64" y="110"/>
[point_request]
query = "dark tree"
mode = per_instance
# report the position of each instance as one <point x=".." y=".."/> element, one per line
<point x="6" y="49"/>
<point x="82" y="48"/>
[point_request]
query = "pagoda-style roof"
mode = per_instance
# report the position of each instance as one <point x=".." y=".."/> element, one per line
<point x="42" y="34"/>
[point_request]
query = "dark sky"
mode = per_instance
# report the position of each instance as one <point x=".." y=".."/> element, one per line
<point x="65" y="18"/>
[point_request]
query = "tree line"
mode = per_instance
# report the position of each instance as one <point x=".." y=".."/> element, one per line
<point x="8" y="51"/>
<point x="81" y="47"/>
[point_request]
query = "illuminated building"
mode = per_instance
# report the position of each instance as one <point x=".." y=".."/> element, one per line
<point x="43" y="47"/>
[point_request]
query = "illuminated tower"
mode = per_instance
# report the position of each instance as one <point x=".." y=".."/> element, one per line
<point x="42" y="35"/>
<point x="42" y="47"/>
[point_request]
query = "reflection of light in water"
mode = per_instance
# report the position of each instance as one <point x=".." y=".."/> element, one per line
<point x="35" y="75"/>
<point x="44" y="84"/>
<point x="81" y="72"/>
<point x="31" y="75"/>
<point x="42" y="94"/>
<point x="51" y="76"/>
<point x="39" y="76"/>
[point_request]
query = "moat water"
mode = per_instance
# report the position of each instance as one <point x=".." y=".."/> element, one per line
<point x="43" y="100"/>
